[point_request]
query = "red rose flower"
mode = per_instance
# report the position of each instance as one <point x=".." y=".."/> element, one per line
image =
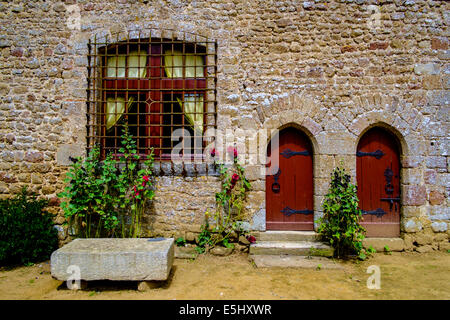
<point x="234" y="178"/>
<point x="251" y="239"/>
<point x="233" y="151"/>
<point x="213" y="152"/>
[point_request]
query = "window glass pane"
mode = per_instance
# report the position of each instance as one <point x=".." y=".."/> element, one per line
<point x="137" y="64"/>
<point x="116" y="67"/>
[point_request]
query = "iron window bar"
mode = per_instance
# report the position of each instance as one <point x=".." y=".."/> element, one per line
<point x="143" y="94"/>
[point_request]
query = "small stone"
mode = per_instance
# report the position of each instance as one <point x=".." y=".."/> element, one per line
<point x="59" y="7"/>
<point x="61" y="232"/>
<point x="34" y="156"/>
<point x="221" y="251"/>
<point x="423" y="239"/>
<point x="424" y="249"/>
<point x="439" y="43"/>
<point x="8" y="178"/>
<point x="17" y="52"/>
<point x="308" y="5"/>
<point x="436" y="198"/>
<point x="398" y="16"/>
<point x="243" y="240"/>
<point x="427" y="68"/>
<point x="439" y="226"/>
<point x="10" y="138"/>
<point x="149" y="285"/>
<point x="430" y="176"/>
<point x="17" y="9"/>
<point x="33" y="63"/>
<point x="412" y="226"/>
<point x="378" y="45"/>
<point x="347" y="49"/>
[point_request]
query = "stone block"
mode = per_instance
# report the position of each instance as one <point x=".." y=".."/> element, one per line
<point x="414" y="195"/>
<point x="439" y="226"/>
<point x="411" y="225"/>
<point x="68" y="150"/>
<point x="428" y="68"/>
<point x="115" y="259"/>
<point x="221" y="251"/>
<point x="436" y="198"/>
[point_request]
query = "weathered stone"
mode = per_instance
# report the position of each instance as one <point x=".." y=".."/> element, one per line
<point x="436" y="198"/>
<point x="243" y="240"/>
<point x="430" y="176"/>
<point x="144" y="286"/>
<point x="378" y="45"/>
<point x="34" y="156"/>
<point x="428" y="68"/>
<point x="221" y="251"/>
<point x="115" y="259"/>
<point x="410" y="225"/>
<point x="439" y="226"/>
<point x="67" y="151"/>
<point x="439" y="43"/>
<point x="414" y="195"/>
<point x="423" y="239"/>
<point x="424" y="249"/>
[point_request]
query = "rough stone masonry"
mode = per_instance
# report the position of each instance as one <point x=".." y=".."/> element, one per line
<point x="333" y="68"/>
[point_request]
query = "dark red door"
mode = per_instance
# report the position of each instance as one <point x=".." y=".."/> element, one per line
<point x="378" y="178"/>
<point x="289" y="190"/>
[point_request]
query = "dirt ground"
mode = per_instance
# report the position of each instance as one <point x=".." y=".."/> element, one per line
<point x="403" y="276"/>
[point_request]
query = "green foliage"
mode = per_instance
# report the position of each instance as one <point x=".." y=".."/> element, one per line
<point x="89" y="191"/>
<point x="340" y="223"/>
<point x="204" y="238"/>
<point x="387" y="250"/>
<point x="230" y="202"/>
<point x="27" y="232"/>
<point x="107" y="198"/>
<point x="180" y="242"/>
<point x="366" y="253"/>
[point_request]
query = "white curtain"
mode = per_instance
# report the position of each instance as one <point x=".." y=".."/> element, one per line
<point x="116" y="67"/>
<point x="193" y="110"/>
<point x="115" y="107"/>
<point x="173" y="65"/>
<point x="136" y="64"/>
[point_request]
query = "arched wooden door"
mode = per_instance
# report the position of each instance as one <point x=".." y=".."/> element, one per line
<point x="289" y="190"/>
<point x="378" y="178"/>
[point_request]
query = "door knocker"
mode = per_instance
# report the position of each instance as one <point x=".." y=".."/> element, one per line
<point x="275" y="185"/>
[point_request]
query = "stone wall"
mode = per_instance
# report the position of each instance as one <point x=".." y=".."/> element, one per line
<point x="331" y="68"/>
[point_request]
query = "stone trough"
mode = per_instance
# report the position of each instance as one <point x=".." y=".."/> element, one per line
<point x="145" y="260"/>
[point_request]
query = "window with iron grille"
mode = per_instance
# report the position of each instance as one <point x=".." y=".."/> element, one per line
<point x="158" y="86"/>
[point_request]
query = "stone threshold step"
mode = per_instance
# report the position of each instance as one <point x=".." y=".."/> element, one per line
<point x="287" y="236"/>
<point x="299" y="248"/>
<point x="283" y="261"/>
<point x="393" y="244"/>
